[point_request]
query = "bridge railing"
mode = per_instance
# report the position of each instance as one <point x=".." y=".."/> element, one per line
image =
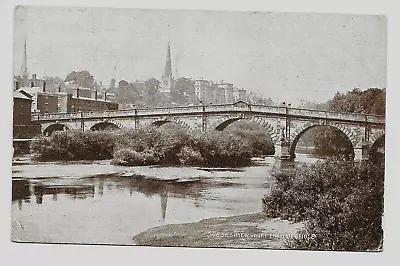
<point x="336" y="115"/>
<point x="54" y="116"/>
<point x="268" y="109"/>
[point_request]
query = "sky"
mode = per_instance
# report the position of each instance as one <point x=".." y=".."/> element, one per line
<point x="286" y="56"/>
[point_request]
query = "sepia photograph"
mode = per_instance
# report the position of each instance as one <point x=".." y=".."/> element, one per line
<point x="198" y="128"/>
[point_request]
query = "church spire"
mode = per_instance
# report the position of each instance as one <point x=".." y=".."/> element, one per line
<point x="167" y="81"/>
<point x="24" y="67"/>
<point x="168" y="66"/>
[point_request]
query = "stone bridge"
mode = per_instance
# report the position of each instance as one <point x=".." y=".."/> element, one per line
<point x="285" y="125"/>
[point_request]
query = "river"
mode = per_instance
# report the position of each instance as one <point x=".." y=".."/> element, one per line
<point x="97" y="203"/>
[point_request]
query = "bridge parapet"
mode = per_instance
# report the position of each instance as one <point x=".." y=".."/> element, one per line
<point x="55" y="116"/>
<point x="337" y="116"/>
<point x="268" y="109"/>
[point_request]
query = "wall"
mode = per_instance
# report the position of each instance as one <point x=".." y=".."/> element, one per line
<point x="22" y="125"/>
<point x="86" y="104"/>
<point x="47" y="102"/>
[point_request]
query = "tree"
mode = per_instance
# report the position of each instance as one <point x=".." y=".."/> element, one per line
<point x="152" y="86"/>
<point x="53" y="83"/>
<point x="370" y="101"/>
<point x="81" y="78"/>
<point x="183" y="91"/>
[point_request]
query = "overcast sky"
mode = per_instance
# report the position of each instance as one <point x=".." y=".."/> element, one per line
<point x="285" y="56"/>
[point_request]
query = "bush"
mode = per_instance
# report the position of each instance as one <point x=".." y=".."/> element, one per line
<point x="74" y="145"/>
<point x="148" y="145"/>
<point x="129" y="157"/>
<point x="341" y="203"/>
<point x="260" y="141"/>
<point x="189" y="156"/>
<point x="223" y="149"/>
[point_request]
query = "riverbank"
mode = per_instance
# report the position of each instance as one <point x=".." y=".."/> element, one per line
<point x="242" y="231"/>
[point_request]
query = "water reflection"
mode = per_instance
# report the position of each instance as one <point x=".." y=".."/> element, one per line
<point x="23" y="190"/>
<point x="195" y="189"/>
<point x="20" y="192"/>
<point x="85" y="188"/>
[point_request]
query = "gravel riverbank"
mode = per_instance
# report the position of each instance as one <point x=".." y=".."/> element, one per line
<point x="243" y="231"/>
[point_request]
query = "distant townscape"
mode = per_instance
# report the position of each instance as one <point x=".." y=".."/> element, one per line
<point x="79" y="91"/>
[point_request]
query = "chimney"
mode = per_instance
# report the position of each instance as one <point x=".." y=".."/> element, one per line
<point x="44" y="86"/>
<point x="32" y="84"/>
<point x="34" y="76"/>
<point x="16" y="85"/>
<point x="77" y="92"/>
<point x="105" y="96"/>
<point x="95" y="95"/>
<point x="59" y="88"/>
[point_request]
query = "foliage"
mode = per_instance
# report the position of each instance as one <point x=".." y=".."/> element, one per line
<point x="223" y="148"/>
<point x="183" y="91"/>
<point x="256" y="135"/>
<point x="82" y="78"/>
<point x="130" y="157"/>
<point x="329" y="141"/>
<point x="155" y="144"/>
<point x="74" y="145"/>
<point x="370" y="101"/>
<point x="340" y="201"/>
<point x="190" y="156"/>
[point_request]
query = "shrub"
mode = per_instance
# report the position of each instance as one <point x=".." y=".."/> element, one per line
<point x="223" y="149"/>
<point x="147" y="145"/>
<point x="259" y="140"/>
<point x="74" y="145"/>
<point x="129" y="157"/>
<point x="170" y="143"/>
<point x="341" y="203"/>
<point x="189" y="156"/>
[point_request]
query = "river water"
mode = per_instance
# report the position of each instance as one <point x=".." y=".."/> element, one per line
<point x="105" y="204"/>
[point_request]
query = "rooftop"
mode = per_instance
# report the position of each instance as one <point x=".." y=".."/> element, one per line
<point x="19" y="95"/>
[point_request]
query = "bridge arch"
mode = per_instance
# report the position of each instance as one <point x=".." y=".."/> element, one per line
<point x="105" y="125"/>
<point x="376" y="138"/>
<point x="55" y="127"/>
<point x="376" y="143"/>
<point x="178" y="122"/>
<point x="295" y="137"/>
<point x="221" y="124"/>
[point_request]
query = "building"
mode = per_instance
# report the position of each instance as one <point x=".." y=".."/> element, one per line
<point x="167" y="81"/>
<point x="228" y="91"/>
<point x="77" y="91"/>
<point x="219" y="94"/>
<point x="204" y="91"/>
<point x="42" y="101"/>
<point x="239" y="94"/>
<point x="89" y="104"/>
<point x="23" y="128"/>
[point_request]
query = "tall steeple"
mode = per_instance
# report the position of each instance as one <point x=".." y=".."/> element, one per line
<point x="24" y="67"/>
<point x="168" y="66"/>
<point x="167" y="79"/>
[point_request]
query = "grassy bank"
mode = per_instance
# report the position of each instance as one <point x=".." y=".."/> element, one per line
<point x="155" y="146"/>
